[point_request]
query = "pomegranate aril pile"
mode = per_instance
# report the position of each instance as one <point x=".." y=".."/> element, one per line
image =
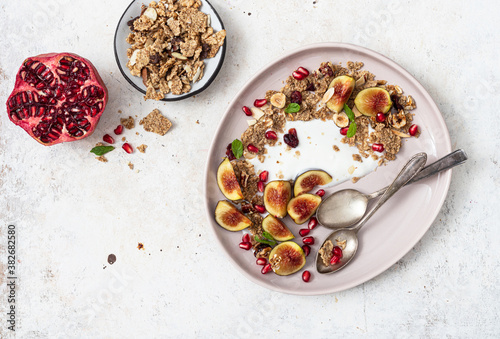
<point x="57" y="98"/>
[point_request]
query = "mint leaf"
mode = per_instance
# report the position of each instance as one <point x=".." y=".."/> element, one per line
<point x="292" y="108"/>
<point x="237" y="148"/>
<point x="352" y="130"/>
<point x="349" y="113"/>
<point x="101" y="150"/>
<point x="264" y="241"/>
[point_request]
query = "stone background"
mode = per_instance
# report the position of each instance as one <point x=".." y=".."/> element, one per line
<point x="71" y="211"/>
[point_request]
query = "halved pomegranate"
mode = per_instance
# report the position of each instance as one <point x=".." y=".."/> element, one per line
<point x="57" y="97"/>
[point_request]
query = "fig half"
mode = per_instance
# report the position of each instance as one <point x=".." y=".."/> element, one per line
<point x="287" y="258"/>
<point x="301" y="208"/>
<point x="344" y="85"/>
<point x="277" y="194"/>
<point x="226" y="179"/>
<point x="276" y="228"/>
<point x="308" y="180"/>
<point x="229" y="217"/>
<point x="372" y="101"/>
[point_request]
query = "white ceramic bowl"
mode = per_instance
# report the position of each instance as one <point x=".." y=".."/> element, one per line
<point x="212" y="65"/>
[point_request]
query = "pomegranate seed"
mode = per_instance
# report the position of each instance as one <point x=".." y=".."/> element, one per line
<point x="252" y="148"/>
<point x="266" y="269"/>
<point x="313" y="222"/>
<point x="271" y="135"/>
<point x="296" y="97"/>
<point x="303" y="71"/>
<point x="378" y="147"/>
<point x="306" y="276"/>
<point x="293" y="132"/>
<point x="304" y="231"/>
<point x="413" y="130"/>
<point x="334" y="260"/>
<point x="259" y="208"/>
<point x="246" y="238"/>
<point x="344" y="130"/>
<point x="259" y="102"/>
<point x="118" y="130"/>
<point x="308" y="240"/>
<point x="263" y="176"/>
<point x="245" y="245"/>
<point x="261" y="261"/>
<point x="320" y="193"/>
<point x="306" y="249"/>
<point x="298" y="76"/>
<point x="260" y="186"/>
<point x="337" y="251"/>
<point x="247" y="111"/>
<point x="126" y="146"/>
<point x="380" y="117"/>
<point x="108" y="138"/>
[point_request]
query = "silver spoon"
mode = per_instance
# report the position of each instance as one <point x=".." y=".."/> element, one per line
<point x="416" y="163"/>
<point x="346" y="207"/>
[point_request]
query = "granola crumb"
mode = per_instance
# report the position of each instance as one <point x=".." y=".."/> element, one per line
<point x="336" y="148"/>
<point x="198" y="122"/>
<point x="128" y="123"/>
<point x="136" y="133"/>
<point x="155" y="122"/>
<point x="142" y="148"/>
<point x="355" y="179"/>
<point x="130" y="165"/>
<point x="124" y="139"/>
<point x="99" y="144"/>
<point x="120" y="111"/>
<point x="325" y="252"/>
<point x="102" y="158"/>
<point x="357" y="157"/>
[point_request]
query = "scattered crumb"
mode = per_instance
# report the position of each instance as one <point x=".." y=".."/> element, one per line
<point x="140" y="246"/>
<point x="136" y="133"/>
<point x="341" y="243"/>
<point x="128" y="123"/>
<point x="336" y="148"/>
<point x="155" y="122"/>
<point x="351" y="169"/>
<point x="131" y="165"/>
<point x="102" y="158"/>
<point x="120" y="111"/>
<point x="123" y="138"/>
<point x="142" y="148"/>
<point x="355" y="179"/>
<point x="198" y="122"/>
<point x="99" y="144"/>
<point x="357" y="157"/>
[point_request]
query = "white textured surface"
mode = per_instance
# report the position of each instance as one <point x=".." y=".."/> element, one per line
<point x="72" y="211"/>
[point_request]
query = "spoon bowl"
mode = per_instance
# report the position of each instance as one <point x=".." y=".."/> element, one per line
<point x="346" y="207"/>
<point x="347" y="253"/>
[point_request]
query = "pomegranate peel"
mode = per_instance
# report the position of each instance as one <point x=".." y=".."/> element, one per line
<point x="57" y="97"/>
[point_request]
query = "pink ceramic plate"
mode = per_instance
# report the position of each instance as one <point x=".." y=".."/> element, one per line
<point x="396" y="227"/>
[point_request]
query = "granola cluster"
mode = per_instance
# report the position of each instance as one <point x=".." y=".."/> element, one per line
<point x="169" y="41"/>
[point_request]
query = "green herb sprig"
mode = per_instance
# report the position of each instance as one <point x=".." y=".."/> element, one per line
<point x="292" y="108"/>
<point x="101" y="150"/>
<point x="268" y="239"/>
<point x="352" y="127"/>
<point x="237" y="148"/>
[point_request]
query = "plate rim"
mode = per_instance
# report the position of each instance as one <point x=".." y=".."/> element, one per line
<point x="181" y="96"/>
<point x="446" y="176"/>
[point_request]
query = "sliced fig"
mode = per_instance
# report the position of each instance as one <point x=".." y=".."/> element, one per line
<point x="287" y="258"/>
<point x="301" y="208"/>
<point x="308" y="180"/>
<point x="276" y="228"/>
<point x="229" y="217"/>
<point x="372" y="101"/>
<point x="277" y="194"/>
<point x="226" y="179"/>
<point x="344" y="85"/>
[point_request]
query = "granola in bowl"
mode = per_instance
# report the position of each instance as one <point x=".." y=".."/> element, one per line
<point x="172" y="50"/>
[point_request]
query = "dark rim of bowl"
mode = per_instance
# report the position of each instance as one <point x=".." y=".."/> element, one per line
<point x="181" y="96"/>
